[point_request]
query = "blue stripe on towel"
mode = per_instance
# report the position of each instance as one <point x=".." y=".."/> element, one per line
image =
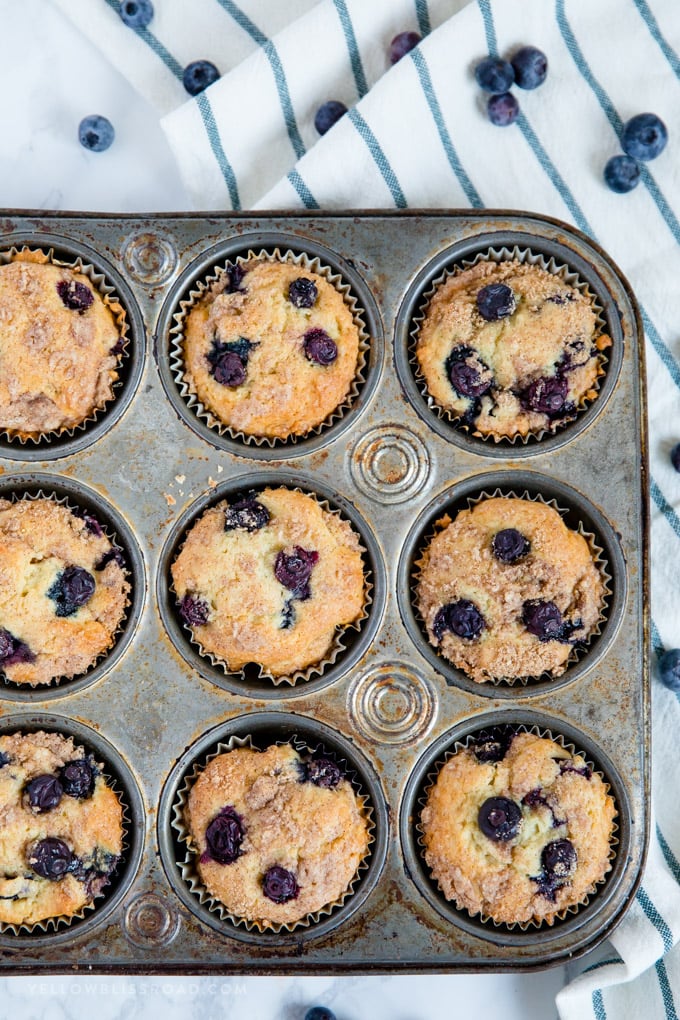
<point x="302" y="190"/>
<point x="653" y="26"/>
<point x="423" y="16"/>
<point x="653" y="915"/>
<point x="353" y="49"/>
<point x="205" y="109"/>
<point x="380" y="158"/>
<point x="154" y="44"/>
<point x="666" y="993"/>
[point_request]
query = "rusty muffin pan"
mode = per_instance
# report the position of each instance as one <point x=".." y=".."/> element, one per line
<point x="153" y="708"/>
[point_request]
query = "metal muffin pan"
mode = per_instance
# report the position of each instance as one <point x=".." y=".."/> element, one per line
<point x="388" y="704"/>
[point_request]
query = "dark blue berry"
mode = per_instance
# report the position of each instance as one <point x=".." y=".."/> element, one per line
<point x="510" y="545"/>
<point x="644" y="137"/>
<point x="228" y="361"/>
<point x="4" y="759"/>
<point x="198" y="75"/>
<point x="319" y="1013"/>
<point x="13" y="650"/>
<point x="302" y="292"/>
<point x="675" y="456"/>
<point x="319" y="347"/>
<point x="90" y="522"/>
<point x="76" y="296"/>
<point x="495" y="301"/>
<point x="246" y="513"/>
<point x="72" y="589"/>
<point x="567" y="766"/>
<point x="114" y="554"/>
<point x="534" y="798"/>
<point x="136" y="13"/>
<point x="462" y="617"/>
<point x="669" y="669"/>
<point x="77" y="778"/>
<point x="51" y="858"/>
<point x="323" y="772"/>
<point x="235" y="274"/>
<point x="287" y="615"/>
<point x="621" y="174"/>
<point x="224" y="836"/>
<point x="530" y="66"/>
<point x="194" y="610"/>
<point x="44" y="793"/>
<point x="492" y="745"/>
<point x="96" y="133"/>
<point x="502" y="110"/>
<point x="293" y="570"/>
<point x="467" y="373"/>
<point x="500" y="819"/>
<point x="543" y="620"/>
<point x="559" y="859"/>
<point x="494" y="75"/>
<point x="403" y="44"/>
<point x="328" y="114"/>
<point x="547" y="395"/>
<point x="280" y="885"/>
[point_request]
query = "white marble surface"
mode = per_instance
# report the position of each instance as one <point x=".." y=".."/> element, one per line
<point x="53" y="78"/>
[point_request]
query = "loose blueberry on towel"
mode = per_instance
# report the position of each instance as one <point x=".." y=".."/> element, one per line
<point x="492" y="745"/>
<point x="328" y="114"/>
<point x="547" y="395"/>
<point x="644" y="137"/>
<point x="224" y="836"/>
<point x="96" y="133"/>
<point x="72" y="589"/>
<point x="467" y="373"/>
<point x="194" y="610"/>
<point x="495" y="301"/>
<point x="323" y="772"/>
<point x="302" y="292"/>
<point x="44" y="793"/>
<point x="13" y="650"/>
<point x="403" y="44"/>
<point x="280" y="885"/>
<point x="198" y="75"/>
<point x="494" y="75"/>
<point x="77" y="778"/>
<point x="136" y="13"/>
<point x="462" y="617"/>
<point x="502" y="110"/>
<point x="510" y="545"/>
<point x="621" y="174"/>
<point x="319" y="1013"/>
<point x="530" y="66"/>
<point x="675" y="456"/>
<point x="76" y="296"/>
<point x="246" y="513"/>
<point x="51" y="858"/>
<point x="320" y="347"/>
<point x="543" y="620"/>
<point x="500" y="819"/>
<point x="293" y="570"/>
<point x="669" y="669"/>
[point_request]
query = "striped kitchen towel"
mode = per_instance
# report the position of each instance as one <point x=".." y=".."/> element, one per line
<point x="416" y="135"/>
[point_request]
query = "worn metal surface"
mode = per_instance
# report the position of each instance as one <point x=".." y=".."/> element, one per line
<point x="389" y="704"/>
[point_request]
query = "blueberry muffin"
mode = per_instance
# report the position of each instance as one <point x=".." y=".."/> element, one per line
<point x="271" y="349"/>
<point x="277" y="836"/>
<point x="269" y="578"/>
<point x="516" y="828"/>
<point x="63" y="590"/>
<point x="62" y="828"/>
<point x="59" y="351"/>
<point x="510" y="349"/>
<point x="506" y="590"/>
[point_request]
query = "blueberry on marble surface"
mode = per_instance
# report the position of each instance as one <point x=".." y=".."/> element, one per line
<point x="224" y="836"/>
<point x="502" y="110"/>
<point x="403" y="44"/>
<point x="500" y="819"/>
<point x="530" y="66"/>
<point x="75" y="295"/>
<point x="51" y="858"/>
<point x="302" y="293"/>
<point x="136" y="13"/>
<point x="73" y="588"/>
<point x="329" y="114"/>
<point x="96" y="133"/>
<point x="675" y="456"/>
<point x="280" y="885"/>
<point x="77" y="778"/>
<point x="320" y="347"/>
<point x="198" y="75"/>
<point x="194" y="610"/>
<point x="44" y="793"/>
<point x="495" y="301"/>
<point x="644" y="136"/>
<point x="246" y="513"/>
<point x="510" y="545"/>
<point x="319" y="1013"/>
<point x="463" y="618"/>
<point x="621" y="174"/>
<point x="494" y="74"/>
<point x="669" y="669"/>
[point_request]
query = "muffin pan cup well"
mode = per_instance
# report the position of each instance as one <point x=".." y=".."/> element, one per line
<point x="389" y="465"/>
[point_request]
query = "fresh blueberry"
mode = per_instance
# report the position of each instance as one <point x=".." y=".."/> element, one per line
<point x="44" y="793"/>
<point x="546" y="395"/>
<point x="228" y="361"/>
<point x="293" y="570"/>
<point x="502" y="110"/>
<point x="559" y="859"/>
<point x="495" y="301"/>
<point x="136" y="13"/>
<point x="621" y="174"/>
<point x="13" y="650"/>
<point x="462" y="617"/>
<point x="77" y="778"/>
<point x="280" y="885"/>
<point x="530" y="66"/>
<point x="51" y="858"/>
<point x="319" y="1013"/>
<point x="675" y="456"/>
<point x="510" y="545"/>
<point x="403" y="44"/>
<point x="494" y="75"/>
<point x="73" y="588"/>
<point x="543" y="620"/>
<point x="194" y="610"/>
<point x="328" y="114"/>
<point x="198" y="75"/>
<point x="246" y="513"/>
<point x="302" y="292"/>
<point x="492" y="745"/>
<point x="76" y="296"/>
<point x="224" y="836"/>
<point x="320" y="347"/>
<point x="500" y="819"/>
<point x="96" y="133"/>
<point x="644" y="137"/>
<point x="467" y="373"/>
<point x="323" y="772"/>
<point x="669" y="669"/>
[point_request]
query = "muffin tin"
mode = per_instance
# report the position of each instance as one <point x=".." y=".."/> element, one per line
<point x="388" y="704"/>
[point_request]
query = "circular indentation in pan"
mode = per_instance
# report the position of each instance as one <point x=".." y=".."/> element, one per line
<point x="120" y="777"/>
<point x="150" y="257"/>
<point x="365" y="308"/>
<point x="392" y="703"/>
<point x="352" y="642"/>
<point x="79" y="497"/>
<point x="151" y="922"/>
<point x="131" y="361"/>
<point x="263" y="730"/>
<point x="560" y="253"/>
<point x="390" y="463"/>
<point x="577" y="512"/>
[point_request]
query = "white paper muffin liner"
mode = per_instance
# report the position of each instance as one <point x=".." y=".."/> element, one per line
<point x="108" y="295"/>
<point x="578" y="651"/>
<point x="506" y="254"/>
<point x="338" y="645"/>
<point x="74" y="508"/>
<point x="187" y="866"/>
<point x="203" y="286"/>
<point x="534" y="922"/>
